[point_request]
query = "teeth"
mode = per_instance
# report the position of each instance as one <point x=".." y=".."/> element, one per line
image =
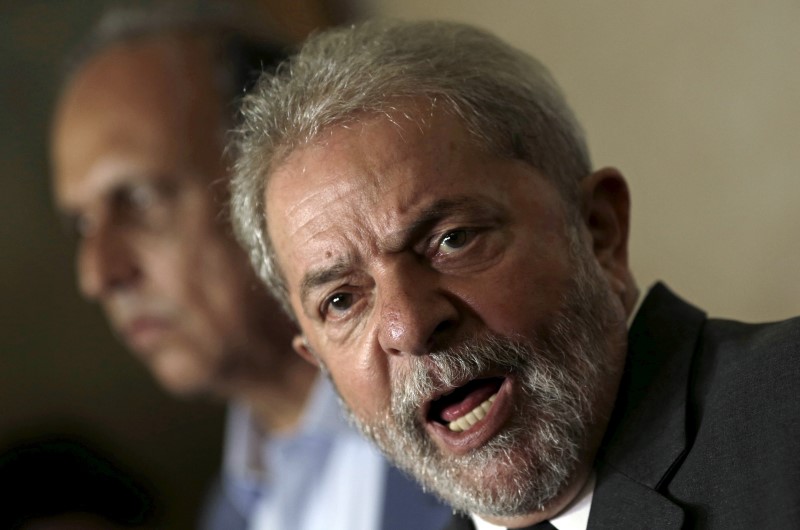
<point x="472" y="417"/>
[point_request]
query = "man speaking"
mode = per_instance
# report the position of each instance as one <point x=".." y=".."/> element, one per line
<point x="421" y="198"/>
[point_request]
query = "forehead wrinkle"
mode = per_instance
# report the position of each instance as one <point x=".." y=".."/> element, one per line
<point x="387" y="176"/>
<point x="314" y="234"/>
<point x="427" y="217"/>
<point x="307" y="205"/>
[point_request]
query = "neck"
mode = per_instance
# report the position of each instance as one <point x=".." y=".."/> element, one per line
<point x="278" y="404"/>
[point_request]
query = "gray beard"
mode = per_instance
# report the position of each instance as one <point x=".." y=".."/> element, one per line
<point x="532" y="459"/>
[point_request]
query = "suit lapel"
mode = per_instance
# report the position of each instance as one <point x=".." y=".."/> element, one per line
<point x="648" y="434"/>
<point x="620" y="503"/>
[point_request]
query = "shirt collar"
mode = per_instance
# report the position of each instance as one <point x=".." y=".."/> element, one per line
<point x="574" y="517"/>
<point x="246" y="442"/>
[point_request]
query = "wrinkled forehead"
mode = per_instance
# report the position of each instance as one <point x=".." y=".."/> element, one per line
<point x="367" y="154"/>
<point x="408" y="132"/>
<point x="362" y="187"/>
<point x="310" y="127"/>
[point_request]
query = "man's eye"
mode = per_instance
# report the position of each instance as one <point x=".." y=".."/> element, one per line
<point x="145" y="197"/>
<point x="338" y="303"/>
<point x="146" y="205"/>
<point x="453" y="241"/>
<point x="142" y="197"/>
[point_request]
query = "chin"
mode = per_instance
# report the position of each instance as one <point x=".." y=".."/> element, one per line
<point x="181" y="375"/>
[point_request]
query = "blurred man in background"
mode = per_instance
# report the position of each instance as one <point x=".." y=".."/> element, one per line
<point x="141" y="175"/>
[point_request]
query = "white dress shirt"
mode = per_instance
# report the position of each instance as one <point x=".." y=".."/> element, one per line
<point x="574" y="517"/>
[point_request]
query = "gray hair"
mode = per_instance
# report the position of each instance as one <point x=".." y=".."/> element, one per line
<point x="508" y="101"/>
<point x="240" y="49"/>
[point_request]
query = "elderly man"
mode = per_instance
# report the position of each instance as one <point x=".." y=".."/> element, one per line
<point x="420" y="197"/>
<point x="139" y="170"/>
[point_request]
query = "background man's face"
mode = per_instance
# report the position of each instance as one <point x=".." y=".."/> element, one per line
<point x="424" y="273"/>
<point x="137" y="151"/>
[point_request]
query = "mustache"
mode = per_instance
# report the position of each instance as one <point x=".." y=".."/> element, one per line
<point x="426" y="377"/>
<point x="491" y="355"/>
<point x="553" y="369"/>
<point x="123" y="307"/>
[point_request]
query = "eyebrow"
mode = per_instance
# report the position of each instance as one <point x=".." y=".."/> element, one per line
<point x="70" y="215"/>
<point x="427" y="218"/>
<point x="321" y="276"/>
<point x="484" y="208"/>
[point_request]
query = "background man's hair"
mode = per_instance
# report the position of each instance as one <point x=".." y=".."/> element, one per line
<point x="241" y="48"/>
<point x="507" y="99"/>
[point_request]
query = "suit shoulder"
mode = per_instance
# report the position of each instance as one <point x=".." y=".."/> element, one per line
<point x="740" y="469"/>
<point x="745" y="378"/>
<point x="773" y="345"/>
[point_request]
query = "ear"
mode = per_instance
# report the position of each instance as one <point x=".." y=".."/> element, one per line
<point x="301" y="346"/>
<point x="605" y="205"/>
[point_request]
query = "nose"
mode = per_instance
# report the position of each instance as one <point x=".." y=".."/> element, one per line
<point x="416" y="313"/>
<point x="106" y="262"/>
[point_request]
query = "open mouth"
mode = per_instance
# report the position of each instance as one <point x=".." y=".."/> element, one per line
<point x="466" y="406"/>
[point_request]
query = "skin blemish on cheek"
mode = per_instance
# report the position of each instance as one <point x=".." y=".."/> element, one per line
<point x="328" y="254"/>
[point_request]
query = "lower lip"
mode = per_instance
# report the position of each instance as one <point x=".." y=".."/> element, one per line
<point x="460" y="443"/>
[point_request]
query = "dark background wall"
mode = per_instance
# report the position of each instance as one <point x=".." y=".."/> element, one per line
<point x="61" y="371"/>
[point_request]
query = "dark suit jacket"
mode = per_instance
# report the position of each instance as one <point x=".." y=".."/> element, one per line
<point x="705" y="433"/>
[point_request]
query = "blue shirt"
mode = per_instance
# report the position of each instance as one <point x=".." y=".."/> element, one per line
<point x="322" y="476"/>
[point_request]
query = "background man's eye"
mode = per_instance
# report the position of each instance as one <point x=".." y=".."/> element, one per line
<point x="142" y="197"/>
<point x="453" y="240"/>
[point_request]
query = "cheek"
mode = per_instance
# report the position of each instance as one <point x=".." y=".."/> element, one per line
<point x="165" y="267"/>
<point x="199" y="278"/>
<point x="522" y="291"/>
<point x="218" y="296"/>
<point x="363" y="384"/>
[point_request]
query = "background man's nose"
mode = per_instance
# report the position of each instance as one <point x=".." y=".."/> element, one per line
<point x="106" y="262"/>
